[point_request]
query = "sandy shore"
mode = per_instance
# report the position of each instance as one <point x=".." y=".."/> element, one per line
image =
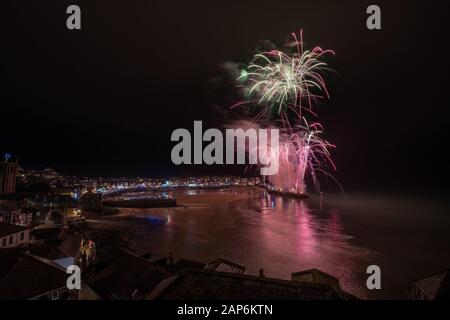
<point x="213" y="198"/>
<point x="195" y="201"/>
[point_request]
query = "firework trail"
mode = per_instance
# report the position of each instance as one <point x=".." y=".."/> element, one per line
<point x="302" y="153"/>
<point x="282" y="84"/>
<point x="279" y="82"/>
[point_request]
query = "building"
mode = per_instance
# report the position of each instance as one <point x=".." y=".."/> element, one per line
<point x="24" y="276"/>
<point x="12" y="236"/>
<point x="181" y="264"/>
<point x="8" y="213"/>
<point x="127" y="277"/>
<point x="315" y="276"/>
<point x="224" y="280"/>
<point x="63" y="246"/>
<point x="75" y="249"/>
<point x="8" y="173"/>
<point x="22" y="217"/>
<point x="212" y="285"/>
<point x="71" y="191"/>
<point x="91" y="202"/>
<point x="432" y="287"/>
<point x="223" y="265"/>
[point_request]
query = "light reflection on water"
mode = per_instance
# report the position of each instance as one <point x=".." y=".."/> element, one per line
<point x="340" y="237"/>
<point x="298" y="236"/>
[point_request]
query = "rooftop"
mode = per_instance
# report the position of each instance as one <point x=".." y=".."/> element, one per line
<point x="128" y="276"/>
<point x="435" y="286"/>
<point x="24" y="276"/>
<point x="202" y="284"/>
<point x="215" y="265"/>
<point x="6" y="229"/>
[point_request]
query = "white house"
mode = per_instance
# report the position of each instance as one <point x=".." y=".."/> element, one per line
<point x="13" y="235"/>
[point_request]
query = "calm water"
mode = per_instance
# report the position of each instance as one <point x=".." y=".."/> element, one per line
<point x="407" y="237"/>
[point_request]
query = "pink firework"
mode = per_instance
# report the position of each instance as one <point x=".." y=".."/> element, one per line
<point x="302" y="153"/>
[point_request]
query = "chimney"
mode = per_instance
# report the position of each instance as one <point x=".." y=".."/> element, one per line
<point x="261" y="273"/>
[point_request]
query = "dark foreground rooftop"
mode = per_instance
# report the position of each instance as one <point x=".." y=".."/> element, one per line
<point x="206" y="285"/>
<point x="24" y="276"/>
<point x="127" y="277"/>
<point x="7" y="229"/>
<point x="433" y="287"/>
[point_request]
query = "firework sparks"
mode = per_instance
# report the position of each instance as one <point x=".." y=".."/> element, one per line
<point x="282" y="84"/>
<point x="279" y="81"/>
<point x="302" y="153"/>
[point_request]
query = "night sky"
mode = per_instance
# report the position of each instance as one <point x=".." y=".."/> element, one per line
<point x="104" y="100"/>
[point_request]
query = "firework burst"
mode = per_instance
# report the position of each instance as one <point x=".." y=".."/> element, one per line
<point x="279" y="81"/>
<point x="281" y="84"/>
<point x="302" y="154"/>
